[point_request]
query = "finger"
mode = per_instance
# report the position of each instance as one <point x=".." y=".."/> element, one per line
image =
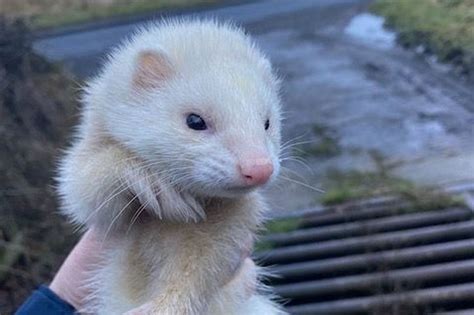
<point x="69" y="282"/>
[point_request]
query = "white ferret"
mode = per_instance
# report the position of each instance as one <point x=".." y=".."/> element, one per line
<point x="178" y="132"/>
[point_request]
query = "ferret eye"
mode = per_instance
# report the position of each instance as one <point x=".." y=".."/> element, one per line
<point x="267" y="124"/>
<point x="196" y="122"/>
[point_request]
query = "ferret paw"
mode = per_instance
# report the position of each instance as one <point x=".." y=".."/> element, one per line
<point x="163" y="201"/>
<point x="141" y="186"/>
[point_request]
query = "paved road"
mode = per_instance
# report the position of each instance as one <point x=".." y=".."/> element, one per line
<point x="82" y="50"/>
<point x="347" y="87"/>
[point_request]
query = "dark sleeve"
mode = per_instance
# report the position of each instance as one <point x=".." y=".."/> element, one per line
<point x="43" y="301"/>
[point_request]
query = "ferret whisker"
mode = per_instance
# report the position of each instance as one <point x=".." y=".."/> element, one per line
<point x="300" y="161"/>
<point x="137" y="214"/>
<point x="292" y="172"/>
<point x="292" y="139"/>
<point x="296" y="138"/>
<point x="319" y="190"/>
<point x="293" y="145"/>
<point x="116" y="192"/>
<point x="300" y="151"/>
<point x="116" y="218"/>
<point x="280" y="186"/>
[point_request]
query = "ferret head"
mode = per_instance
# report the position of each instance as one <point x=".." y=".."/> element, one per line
<point x="198" y="103"/>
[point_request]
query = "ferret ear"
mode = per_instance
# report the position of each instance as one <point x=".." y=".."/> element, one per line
<point x="152" y="69"/>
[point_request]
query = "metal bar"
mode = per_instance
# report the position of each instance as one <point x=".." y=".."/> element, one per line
<point x="376" y="202"/>
<point x="367" y="282"/>
<point x="434" y="296"/>
<point x="377" y="242"/>
<point x="356" y="263"/>
<point x="407" y="221"/>
<point x="344" y="215"/>
<point x="457" y="312"/>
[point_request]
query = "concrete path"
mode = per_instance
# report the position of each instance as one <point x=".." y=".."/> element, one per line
<point x="348" y="88"/>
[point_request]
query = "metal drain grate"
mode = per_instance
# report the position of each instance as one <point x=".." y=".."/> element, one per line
<point x="376" y="259"/>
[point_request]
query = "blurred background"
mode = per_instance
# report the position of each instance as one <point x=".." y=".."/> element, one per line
<point x="379" y="113"/>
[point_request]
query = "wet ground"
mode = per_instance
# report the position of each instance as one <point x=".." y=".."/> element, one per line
<point x="348" y="89"/>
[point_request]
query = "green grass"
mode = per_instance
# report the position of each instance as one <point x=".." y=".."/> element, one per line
<point x="276" y="226"/>
<point x="48" y="13"/>
<point x="428" y="198"/>
<point x="282" y="225"/>
<point x="37" y="109"/>
<point x="10" y="252"/>
<point x="353" y="185"/>
<point x="356" y="185"/>
<point x="443" y="27"/>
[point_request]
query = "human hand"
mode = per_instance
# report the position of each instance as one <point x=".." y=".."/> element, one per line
<point x="69" y="283"/>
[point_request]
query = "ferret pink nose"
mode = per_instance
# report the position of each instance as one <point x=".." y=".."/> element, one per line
<point x="256" y="171"/>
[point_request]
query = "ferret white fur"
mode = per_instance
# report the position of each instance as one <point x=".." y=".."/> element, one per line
<point x="168" y="200"/>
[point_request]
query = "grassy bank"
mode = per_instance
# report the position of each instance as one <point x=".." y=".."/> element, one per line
<point x="37" y="109"/>
<point x="53" y="13"/>
<point x="443" y="27"/>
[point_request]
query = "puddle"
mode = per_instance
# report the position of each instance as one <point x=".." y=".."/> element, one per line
<point x="369" y="29"/>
